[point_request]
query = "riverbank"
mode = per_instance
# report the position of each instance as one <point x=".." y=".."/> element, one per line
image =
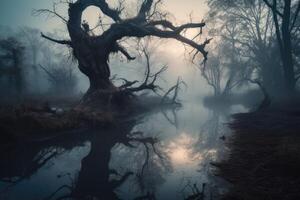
<point x="37" y="119"/>
<point x="264" y="155"/>
<point x="26" y="121"/>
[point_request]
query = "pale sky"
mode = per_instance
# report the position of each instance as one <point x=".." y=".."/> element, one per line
<point x="17" y="13"/>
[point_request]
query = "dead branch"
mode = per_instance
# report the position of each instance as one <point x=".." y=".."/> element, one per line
<point x="127" y="83"/>
<point x="50" y="12"/>
<point x="174" y="88"/>
<point x="138" y="26"/>
<point x="92" y="51"/>
<point x="146" y="85"/>
<point x="64" y="42"/>
<point x="121" y="49"/>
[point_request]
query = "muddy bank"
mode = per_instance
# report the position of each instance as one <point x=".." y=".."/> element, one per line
<point x="264" y="158"/>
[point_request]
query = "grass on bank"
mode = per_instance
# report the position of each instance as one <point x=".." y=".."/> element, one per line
<point x="264" y="158"/>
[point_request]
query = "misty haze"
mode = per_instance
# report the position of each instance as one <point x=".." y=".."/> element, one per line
<point x="150" y="99"/>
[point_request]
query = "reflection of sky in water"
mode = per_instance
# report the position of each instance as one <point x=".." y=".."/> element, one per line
<point x="190" y="147"/>
<point x="181" y="152"/>
<point x="186" y="148"/>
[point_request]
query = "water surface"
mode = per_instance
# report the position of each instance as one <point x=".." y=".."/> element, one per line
<point x="161" y="155"/>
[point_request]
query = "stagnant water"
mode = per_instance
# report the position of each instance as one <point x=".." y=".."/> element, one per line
<point x="120" y="162"/>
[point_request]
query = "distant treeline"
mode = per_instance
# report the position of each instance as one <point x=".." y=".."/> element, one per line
<point x="254" y="42"/>
<point x="30" y="65"/>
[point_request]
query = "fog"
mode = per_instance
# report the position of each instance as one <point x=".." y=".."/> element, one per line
<point x="145" y="99"/>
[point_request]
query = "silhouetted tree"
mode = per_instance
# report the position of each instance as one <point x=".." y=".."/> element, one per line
<point x="248" y="29"/>
<point x="223" y="73"/>
<point x="92" y="51"/>
<point x="285" y="14"/>
<point x="11" y="54"/>
<point x="31" y="39"/>
<point x="61" y="77"/>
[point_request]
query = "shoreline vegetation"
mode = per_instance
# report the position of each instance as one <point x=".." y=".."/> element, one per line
<point x="28" y="121"/>
<point x="263" y="161"/>
<point x="37" y="119"/>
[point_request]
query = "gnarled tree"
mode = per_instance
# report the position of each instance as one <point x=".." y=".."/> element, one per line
<point x="92" y="51"/>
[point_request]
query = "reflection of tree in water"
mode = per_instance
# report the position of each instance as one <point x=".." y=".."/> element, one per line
<point x="171" y="116"/>
<point x="152" y="166"/>
<point x="21" y="161"/>
<point x="147" y="159"/>
<point x="96" y="178"/>
<point x="210" y="145"/>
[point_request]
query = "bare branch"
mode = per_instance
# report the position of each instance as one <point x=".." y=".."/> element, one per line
<point x="64" y="42"/>
<point x="121" y="49"/>
<point x="273" y="7"/>
<point x="51" y="12"/>
<point x="141" y="27"/>
<point x="127" y="83"/>
<point x="146" y="85"/>
<point x="80" y="5"/>
<point x="93" y="51"/>
<point x="295" y="16"/>
<point x="145" y="8"/>
<point x="174" y="88"/>
<point x="112" y="13"/>
<point x="179" y="29"/>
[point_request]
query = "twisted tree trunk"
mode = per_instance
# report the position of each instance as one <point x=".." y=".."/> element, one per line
<point x="92" y="52"/>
